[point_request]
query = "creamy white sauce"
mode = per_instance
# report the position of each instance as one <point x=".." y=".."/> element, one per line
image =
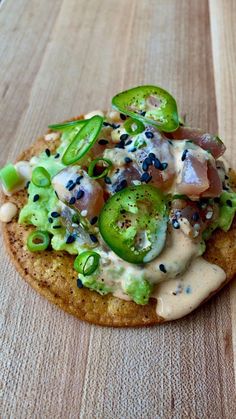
<point x="178" y="297"/>
<point x="7" y="212"/>
<point x="176" y="256"/>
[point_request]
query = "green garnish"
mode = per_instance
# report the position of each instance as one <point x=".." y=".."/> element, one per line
<point x="133" y="126"/>
<point x="133" y="223"/>
<point x="92" y="167"/>
<point x="41" y="177"/>
<point x="87" y="262"/>
<point x="150" y="104"/>
<point x="38" y="241"/>
<point x="83" y="140"/>
<point x="66" y="125"/>
<point x="9" y="177"/>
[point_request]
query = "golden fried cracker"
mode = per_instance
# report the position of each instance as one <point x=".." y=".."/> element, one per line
<point x="54" y="278"/>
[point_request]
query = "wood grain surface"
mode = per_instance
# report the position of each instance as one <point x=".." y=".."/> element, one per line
<point x="60" y="58"/>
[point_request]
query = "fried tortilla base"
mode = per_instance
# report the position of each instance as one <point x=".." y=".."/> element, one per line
<point x="54" y="278"/>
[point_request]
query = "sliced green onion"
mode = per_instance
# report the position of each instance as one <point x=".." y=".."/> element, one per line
<point x="133" y="126"/>
<point x="87" y="262"/>
<point x="83" y="141"/>
<point x="38" y="241"/>
<point x="93" y="164"/>
<point x="40" y="177"/>
<point x="64" y="126"/>
<point x="9" y="177"/>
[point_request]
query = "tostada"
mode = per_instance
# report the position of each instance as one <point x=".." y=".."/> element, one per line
<point x="123" y="218"/>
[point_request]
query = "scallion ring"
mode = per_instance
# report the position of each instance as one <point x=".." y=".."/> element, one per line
<point x="38" y="241"/>
<point x="133" y="126"/>
<point x="87" y="262"/>
<point x="9" y="177"/>
<point x="41" y="177"/>
<point x="92" y="168"/>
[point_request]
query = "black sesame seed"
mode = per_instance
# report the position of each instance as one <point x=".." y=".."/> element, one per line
<point x="107" y="180"/>
<point x="48" y="152"/>
<point x="55" y="214"/>
<point x="195" y="216"/>
<point x="57" y="156"/>
<point x="78" y="180"/>
<point x="146" y="163"/>
<point x="128" y="160"/>
<point x="157" y="164"/>
<point x="72" y="200"/>
<point x="93" y="220"/>
<point x="170" y="142"/>
<point x="162" y="268"/>
<point x="124" y="137"/>
<point x="80" y="194"/>
<point x="175" y="223"/>
<point x="229" y="203"/>
<point x="93" y="238"/>
<point x="27" y="184"/>
<point x="103" y="142"/>
<point x="56" y="226"/>
<point x="56" y="194"/>
<point x="79" y="283"/>
<point x="143" y="113"/>
<point x="128" y="142"/>
<point x="164" y="166"/>
<point x="107" y="124"/>
<point x="121" y="144"/>
<point x="69" y="183"/>
<point x="145" y="177"/>
<point x="184" y="155"/>
<point x="50" y="220"/>
<point x="72" y="186"/>
<point x="36" y="197"/>
<point x="149" y="134"/>
<point x="70" y="239"/>
<point x="226" y="177"/>
<point x="122" y="116"/>
<point x="121" y="185"/>
<point x="133" y="149"/>
<point x="152" y="156"/>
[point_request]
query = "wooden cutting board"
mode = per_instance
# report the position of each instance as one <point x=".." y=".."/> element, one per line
<point x="60" y="58"/>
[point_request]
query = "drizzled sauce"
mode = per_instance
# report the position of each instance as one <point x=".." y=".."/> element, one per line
<point x="178" y="297"/>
